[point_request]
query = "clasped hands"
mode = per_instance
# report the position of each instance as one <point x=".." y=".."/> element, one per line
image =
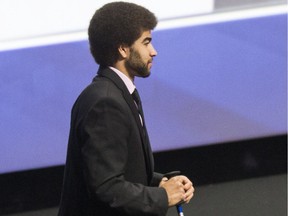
<point x="179" y="189"/>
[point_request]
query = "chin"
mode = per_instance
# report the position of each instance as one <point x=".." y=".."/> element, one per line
<point x="147" y="74"/>
<point x="143" y="74"/>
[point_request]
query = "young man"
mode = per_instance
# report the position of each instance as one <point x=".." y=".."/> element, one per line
<point x="109" y="168"/>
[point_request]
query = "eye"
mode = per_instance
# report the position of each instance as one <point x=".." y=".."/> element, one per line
<point x="147" y="41"/>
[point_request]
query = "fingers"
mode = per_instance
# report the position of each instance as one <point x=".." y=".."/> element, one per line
<point x="183" y="180"/>
<point x="179" y="189"/>
<point x="163" y="181"/>
<point x="189" y="194"/>
<point x="187" y="186"/>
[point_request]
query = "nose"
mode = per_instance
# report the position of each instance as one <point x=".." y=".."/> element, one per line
<point x="153" y="51"/>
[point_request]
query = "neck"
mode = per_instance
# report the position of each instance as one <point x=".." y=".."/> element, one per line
<point x="121" y="67"/>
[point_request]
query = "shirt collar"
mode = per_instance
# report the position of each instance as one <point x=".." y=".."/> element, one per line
<point x="129" y="84"/>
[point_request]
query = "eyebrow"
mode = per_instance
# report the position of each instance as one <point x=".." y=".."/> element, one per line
<point x="149" y="39"/>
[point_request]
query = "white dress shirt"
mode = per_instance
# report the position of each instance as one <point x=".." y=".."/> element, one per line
<point x="129" y="84"/>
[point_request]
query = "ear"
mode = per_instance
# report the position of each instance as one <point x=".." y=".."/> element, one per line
<point x="123" y="51"/>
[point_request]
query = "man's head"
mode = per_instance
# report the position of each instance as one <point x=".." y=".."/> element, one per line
<point x="116" y="24"/>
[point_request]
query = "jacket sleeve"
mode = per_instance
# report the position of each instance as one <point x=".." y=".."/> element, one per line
<point x="156" y="179"/>
<point x="105" y="131"/>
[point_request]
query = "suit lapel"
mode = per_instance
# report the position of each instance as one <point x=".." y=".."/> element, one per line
<point x="111" y="75"/>
<point x="108" y="73"/>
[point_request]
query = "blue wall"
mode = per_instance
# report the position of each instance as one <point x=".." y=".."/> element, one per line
<point x="210" y="84"/>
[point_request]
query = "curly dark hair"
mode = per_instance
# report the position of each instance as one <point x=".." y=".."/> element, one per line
<point x="115" y="24"/>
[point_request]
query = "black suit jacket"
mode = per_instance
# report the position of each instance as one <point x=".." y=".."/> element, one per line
<point x="109" y="168"/>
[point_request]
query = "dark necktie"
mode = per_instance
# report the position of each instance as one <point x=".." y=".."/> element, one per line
<point x="137" y="99"/>
<point x="146" y="145"/>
